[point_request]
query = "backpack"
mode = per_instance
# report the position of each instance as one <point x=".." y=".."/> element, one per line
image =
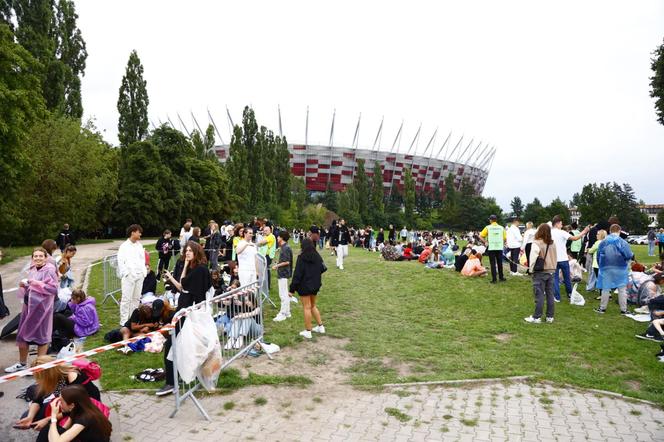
<point x="90" y="368"/>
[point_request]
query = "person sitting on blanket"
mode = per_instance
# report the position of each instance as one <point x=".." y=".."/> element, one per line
<point x="147" y="318"/>
<point x="473" y="266"/>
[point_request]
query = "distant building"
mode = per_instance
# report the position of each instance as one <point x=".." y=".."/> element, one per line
<point x="574" y="215"/>
<point x="651" y="210"/>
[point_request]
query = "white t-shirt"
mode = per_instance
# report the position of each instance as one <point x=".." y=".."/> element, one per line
<point x="560" y="238"/>
<point x="514" y="238"/>
<point x="247" y="259"/>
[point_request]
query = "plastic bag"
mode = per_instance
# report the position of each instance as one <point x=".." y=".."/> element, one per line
<point x="208" y="373"/>
<point x="67" y="350"/>
<point x="577" y="298"/>
<point x="196" y="342"/>
<point x="64" y="294"/>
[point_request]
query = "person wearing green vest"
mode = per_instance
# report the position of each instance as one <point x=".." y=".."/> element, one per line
<point x="575" y="247"/>
<point x="267" y="246"/>
<point x="494" y="237"/>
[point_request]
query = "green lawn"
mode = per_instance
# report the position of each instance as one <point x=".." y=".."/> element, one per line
<point x="409" y="323"/>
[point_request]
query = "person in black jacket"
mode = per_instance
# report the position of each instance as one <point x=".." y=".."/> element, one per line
<point x="343" y="239"/>
<point x="193" y="284"/>
<point x="65" y="238"/>
<point x="165" y="246"/>
<point x="306" y="282"/>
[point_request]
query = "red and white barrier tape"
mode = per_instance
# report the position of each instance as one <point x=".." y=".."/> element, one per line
<point x="93" y="352"/>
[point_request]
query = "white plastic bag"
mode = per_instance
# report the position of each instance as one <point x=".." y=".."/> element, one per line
<point x="67" y="350"/>
<point x="64" y="294"/>
<point x="577" y="298"/>
<point x="196" y="343"/>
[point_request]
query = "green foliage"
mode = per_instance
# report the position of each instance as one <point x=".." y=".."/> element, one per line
<point x="362" y="186"/>
<point x="133" y="103"/>
<point x="409" y="195"/>
<point x="535" y="212"/>
<point x="204" y="144"/>
<point x="349" y="206"/>
<point x="330" y="198"/>
<point x="600" y="201"/>
<point x="558" y="207"/>
<point x="50" y="33"/>
<point x="660" y="218"/>
<point x="377" y="207"/>
<point x="517" y="207"/>
<point x="22" y="105"/>
<point x="258" y="166"/>
<point x="73" y="177"/>
<point x="657" y="82"/>
<point x="450" y="206"/>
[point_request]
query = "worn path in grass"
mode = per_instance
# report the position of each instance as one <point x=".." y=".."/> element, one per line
<point x="11" y="408"/>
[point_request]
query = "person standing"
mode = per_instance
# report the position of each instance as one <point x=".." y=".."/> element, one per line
<point x="575" y="247"/>
<point x="652" y="237"/>
<point x="343" y="238"/>
<point x="404" y="234"/>
<point x="38" y="291"/>
<point x="543" y="247"/>
<point x="514" y="242"/>
<point x="65" y="238"/>
<point x="246" y="258"/>
<point x="493" y="236"/>
<point x="613" y="257"/>
<point x="560" y="237"/>
<point x="132" y="271"/>
<point x="284" y="270"/>
<point x="307" y="282"/>
<point x="391" y="234"/>
<point x="660" y="241"/>
<point x="380" y="238"/>
<point x="267" y="247"/>
<point x="213" y="245"/>
<point x="165" y="249"/>
<point x="526" y="246"/>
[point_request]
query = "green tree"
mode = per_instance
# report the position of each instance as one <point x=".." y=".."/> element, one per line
<point x="133" y="103"/>
<point x="409" y="196"/>
<point x="71" y="52"/>
<point x="22" y="105"/>
<point x="598" y="202"/>
<point x="450" y="208"/>
<point x="330" y="198"/>
<point x="377" y="196"/>
<point x="558" y="207"/>
<point x="363" y="196"/>
<point x="238" y="170"/>
<point x="660" y="218"/>
<point x="517" y="206"/>
<point x="657" y="82"/>
<point x="73" y="177"/>
<point x="535" y="213"/>
<point x="204" y="144"/>
<point x="282" y="172"/>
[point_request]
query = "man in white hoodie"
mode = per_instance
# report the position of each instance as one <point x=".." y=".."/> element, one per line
<point x="514" y="241"/>
<point x="132" y="271"/>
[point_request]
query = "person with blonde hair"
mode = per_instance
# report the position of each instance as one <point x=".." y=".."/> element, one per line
<point x="601" y="235"/>
<point x="49" y="384"/>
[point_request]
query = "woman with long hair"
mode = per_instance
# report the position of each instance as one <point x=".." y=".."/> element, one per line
<point x="307" y="282"/>
<point x="246" y="258"/>
<point x="85" y="421"/>
<point x="49" y="385"/>
<point x="193" y="284"/>
<point x="38" y="292"/>
<point x="64" y="266"/>
<point x="543" y="247"/>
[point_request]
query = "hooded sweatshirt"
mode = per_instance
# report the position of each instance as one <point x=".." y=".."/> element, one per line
<point x="84" y="315"/>
<point x="307" y="276"/>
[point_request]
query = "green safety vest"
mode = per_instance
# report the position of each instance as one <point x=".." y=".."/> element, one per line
<point x="576" y="245"/>
<point x="496" y="236"/>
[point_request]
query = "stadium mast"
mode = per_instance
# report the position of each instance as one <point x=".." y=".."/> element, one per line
<point x="196" y="123"/>
<point x="394" y="160"/>
<point x="281" y="133"/>
<point x="215" y="127"/>
<point x="182" y="123"/>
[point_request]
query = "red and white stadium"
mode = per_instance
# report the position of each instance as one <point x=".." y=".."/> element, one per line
<point x="320" y="164"/>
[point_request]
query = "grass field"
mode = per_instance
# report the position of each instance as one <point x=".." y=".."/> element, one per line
<point x="408" y="323"/>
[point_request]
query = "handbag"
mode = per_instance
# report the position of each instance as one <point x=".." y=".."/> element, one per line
<point x="539" y="262"/>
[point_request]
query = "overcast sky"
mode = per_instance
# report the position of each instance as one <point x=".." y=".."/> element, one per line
<point x="560" y="88"/>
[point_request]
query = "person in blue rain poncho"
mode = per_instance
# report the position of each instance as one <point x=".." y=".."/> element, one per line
<point x="613" y="256"/>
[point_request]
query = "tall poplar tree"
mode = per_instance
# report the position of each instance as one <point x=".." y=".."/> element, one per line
<point x="377" y="195"/>
<point x="133" y="103"/>
<point x="657" y="82"/>
<point x="362" y="186"/>
<point x="409" y="196"/>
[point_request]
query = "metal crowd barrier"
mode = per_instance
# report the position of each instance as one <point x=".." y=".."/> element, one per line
<point x="238" y="315"/>
<point x="112" y="282"/>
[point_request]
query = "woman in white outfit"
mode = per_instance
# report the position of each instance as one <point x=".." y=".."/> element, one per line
<point x="246" y="258"/>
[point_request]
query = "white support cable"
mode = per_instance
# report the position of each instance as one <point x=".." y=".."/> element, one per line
<point x="394" y="161"/>
<point x="215" y="127"/>
<point x="170" y="122"/>
<point x="479" y="155"/>
<point x="444" y="144"/>
<point x="196" y="123"/>
<point x="281" y="132"/>
<point x="448" y="155"/>
<point x="334" y="115"/>
<point x="480" y="161"/>
<point x="183" y="125"/>
<point x="356" y="137"/>
<point x="306" y="130"/>
<point x="230" y="120"/>
<point x="467" y="161"/>
<point x="415" y="138"/>
<point x="464" y="151"/>
<point x="378" y="134"/>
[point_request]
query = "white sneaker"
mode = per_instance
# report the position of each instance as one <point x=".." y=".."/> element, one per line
<point x="280" y="318"/>
<point x="549" y="320"/>
<point x="239" y="342"/>
<point x="319" y="329"/>
<point x="305" y="334"/>
<point x="517" y="274"/>
<point x="532" y="320"/>
<point x="341" y="267"/>
<point x="124" y="350"/>
<point x="293" y="299"/>
<point x="229" y="344"/>
<point x="556" y="300"/>
<point x="19" y="366"/>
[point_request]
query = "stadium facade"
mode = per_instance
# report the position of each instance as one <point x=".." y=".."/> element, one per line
<point x="336" y="165"/>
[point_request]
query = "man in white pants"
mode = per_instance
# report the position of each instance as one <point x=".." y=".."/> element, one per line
<point x="284" y="270"/>
<point x="132" y="271"/>
<point x="342" y="247"/>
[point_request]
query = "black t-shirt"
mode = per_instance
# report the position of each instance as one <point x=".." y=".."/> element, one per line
<point x="196" y="282"/>
<point x="89" y="433"/>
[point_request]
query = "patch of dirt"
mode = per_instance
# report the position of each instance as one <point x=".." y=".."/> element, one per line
<point x="633" y="385"/>
<point x="403" y="369"/>
<point x="504" y="337"/>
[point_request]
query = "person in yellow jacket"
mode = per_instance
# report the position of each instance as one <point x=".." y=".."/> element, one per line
<point x="494" y="237"/>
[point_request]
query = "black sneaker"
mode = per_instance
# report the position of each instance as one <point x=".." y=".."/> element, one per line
<point x="624" y="312"/>
<point x="493" y="281"/>
<point x="163" y="391"/>
<point x="645" y="336"/>
<point x="503" y="279"/>
<point x="599" y="310"/>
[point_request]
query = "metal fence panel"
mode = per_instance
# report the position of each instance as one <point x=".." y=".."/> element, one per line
<point x="112" y="282"/>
